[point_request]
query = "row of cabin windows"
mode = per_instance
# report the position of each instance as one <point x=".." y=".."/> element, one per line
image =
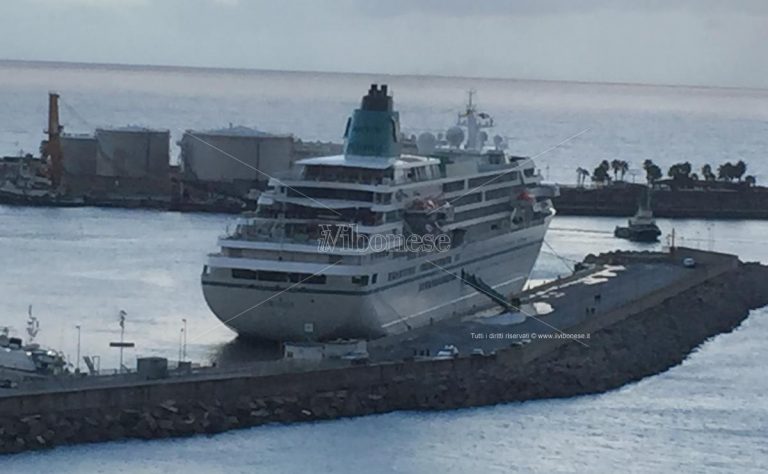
<point x="347" y="174"/>
<point x="341" y="194"/>
<point x="493" y="179"/>
<point x="468" y="199"/>
<point x="498" y="193"/>
<point x="454" y="186"/>
<point x="401" y="273"/>
<point x="435" y="282"/>
<point x="481" y="212"/>
<point x="360" y="280"/>
<point x="281" y="277"/>
<point x="478" y="197"/>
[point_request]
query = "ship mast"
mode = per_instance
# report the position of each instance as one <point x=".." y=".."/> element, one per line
<point x="474" y="122"/>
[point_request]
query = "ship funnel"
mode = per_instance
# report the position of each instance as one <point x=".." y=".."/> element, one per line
<point x="374" y="128"/>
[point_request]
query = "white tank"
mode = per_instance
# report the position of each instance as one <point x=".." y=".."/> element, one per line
<point x="80" y="154"/>
<point x="132" y="152"/>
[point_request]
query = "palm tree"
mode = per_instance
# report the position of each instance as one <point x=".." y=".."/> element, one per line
<point x="680" y="172"/>
<point x="616" y="167"/>
<point x="706" y="171"/>
<point x="600" y="175"/>
<point x="652" y="172"/>
<point x="739" y="169"/>
<point x="725" y="171"/>
<point x="646" y="164"/>
<point x="623" y="168"/>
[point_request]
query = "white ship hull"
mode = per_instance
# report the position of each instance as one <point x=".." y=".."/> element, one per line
<point x="282" y="311"/>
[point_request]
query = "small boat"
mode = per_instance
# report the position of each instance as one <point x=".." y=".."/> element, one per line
<point x="20" y="361"/>
<point x="642" y="226"/>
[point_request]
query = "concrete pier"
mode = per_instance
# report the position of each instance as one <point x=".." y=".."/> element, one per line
<point x="629" y="316"/>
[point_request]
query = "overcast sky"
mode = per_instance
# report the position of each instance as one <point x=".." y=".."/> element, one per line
<point x="707" y="42"/>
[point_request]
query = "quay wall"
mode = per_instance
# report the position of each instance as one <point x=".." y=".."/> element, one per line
<point x="644" y="338"/>
<point x="745" y="203"/>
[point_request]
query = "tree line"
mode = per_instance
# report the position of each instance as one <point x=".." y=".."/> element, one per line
<point x="679" y="173"/>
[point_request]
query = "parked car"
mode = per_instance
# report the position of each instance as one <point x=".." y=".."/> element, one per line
<point x="448" y="352"/>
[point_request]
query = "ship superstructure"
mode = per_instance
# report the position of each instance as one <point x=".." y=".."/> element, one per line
<point x="375" y="242"/>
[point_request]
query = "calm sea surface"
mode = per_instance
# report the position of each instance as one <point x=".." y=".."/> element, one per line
<point x="82" y="266"/>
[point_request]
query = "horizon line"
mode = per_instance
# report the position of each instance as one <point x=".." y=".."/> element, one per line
<point x="177" y="67"/>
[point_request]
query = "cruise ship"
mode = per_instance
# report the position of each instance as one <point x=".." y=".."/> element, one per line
<point x="376" y="242"/>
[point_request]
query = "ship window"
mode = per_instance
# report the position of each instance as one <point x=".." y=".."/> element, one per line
<point x="492" y="179"/>
<point x="361" y="280"/>
<point x="264" y="275"/>
<point x="483" y="180"/>
<point x="453" y="186"/>
<point x="307" y="278"/>
<point x="482" y="212"/>
<point x="272" y="276"/>
<point x="468" y="199"/>
<point x="316" y="280"/>
<point x="402" y="273"/>
<point x="374" y="278"/>
<point x="331" y="193"/>
<point x="498" y="193"/>
<point x="393" y="216"/>
<point x="528" y="172"/>
<point x="495" y="158"/>
<point x="437" y="281"/>
<point x="247" y="274"/>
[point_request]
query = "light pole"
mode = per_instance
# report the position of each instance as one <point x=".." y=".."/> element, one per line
<point x="184" y="336"/>
<point x="181" y="343"/>
<point x="122" y="344"/>
<point x="77" y="365"/>
<point x="123" y="314"/>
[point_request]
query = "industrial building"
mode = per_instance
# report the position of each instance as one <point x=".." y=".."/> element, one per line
<point x="80" y="152"/>
<point x="132" y="152"/>
<point x="234" y="154"/>
<point x="118" y="163"/>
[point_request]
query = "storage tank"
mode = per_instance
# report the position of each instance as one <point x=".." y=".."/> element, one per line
<point x="133" y="152"/>
<point x="231" y="154"/>
<point x="79" y="154"/>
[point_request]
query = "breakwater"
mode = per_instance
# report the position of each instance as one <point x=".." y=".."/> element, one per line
<point x="641" y="339"/>
<point x="622" y="200"/>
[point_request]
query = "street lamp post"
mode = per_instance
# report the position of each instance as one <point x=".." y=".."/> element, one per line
<point x="184" y="336"/>
<point x="77" y="365"/>
<point x="122" y="344"/>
